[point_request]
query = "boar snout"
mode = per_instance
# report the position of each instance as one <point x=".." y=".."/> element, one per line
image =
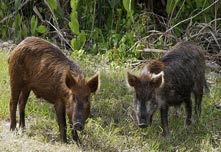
<point x="144" y="122"/>
<point x="142" y="125"/>
<point x="78" y="126"/>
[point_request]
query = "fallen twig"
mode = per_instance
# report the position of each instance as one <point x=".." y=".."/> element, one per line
<point x="213" y="66"/>
<point x="147" y="50"/>
<point x="209" y="64"/>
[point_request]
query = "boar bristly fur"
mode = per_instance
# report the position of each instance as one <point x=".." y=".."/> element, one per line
<point x="39" y="66"/>
<point x="169" y="81"/>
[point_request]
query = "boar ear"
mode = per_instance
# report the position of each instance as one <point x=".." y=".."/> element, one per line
<point x="131" y="79"/>
<point x="157" y="80"/>
<point x="94" y="83"/>
<point x="145" y="71"/>
<point x="70" y="80"/>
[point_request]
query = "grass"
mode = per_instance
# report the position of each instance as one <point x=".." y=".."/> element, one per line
<point x="113" y="127"/>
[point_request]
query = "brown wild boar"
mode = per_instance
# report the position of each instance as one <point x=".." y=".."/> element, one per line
<point x="169" y="81"/>
<point x="37" y="65"/>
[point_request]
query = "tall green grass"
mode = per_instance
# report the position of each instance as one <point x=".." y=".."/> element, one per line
<point x="113" y="126"/>
<point x="4" y="86"/>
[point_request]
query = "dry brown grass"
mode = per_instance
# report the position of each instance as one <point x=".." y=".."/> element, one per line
<point x="20" y="142"/>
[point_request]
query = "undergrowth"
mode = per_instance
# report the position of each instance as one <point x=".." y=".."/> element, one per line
<point x="113" y="126"/>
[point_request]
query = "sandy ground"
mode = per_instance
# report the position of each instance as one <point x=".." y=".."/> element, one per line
<point x="18" y="142"/>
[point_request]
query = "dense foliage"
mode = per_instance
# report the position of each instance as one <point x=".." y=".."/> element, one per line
<point x="119" y="27"/>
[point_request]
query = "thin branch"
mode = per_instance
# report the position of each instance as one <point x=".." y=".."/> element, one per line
<point x="215" y="20"/>
<point x="153" y="32"/>
<point x="215" y="15"/>
<point x="215" y="39"/>
<point x="147" y="50"/>
<point x="11" y="15"/>
<point x="191" y="17"/>
<point x="57" y="30"/>
<point x="52" y="12"/>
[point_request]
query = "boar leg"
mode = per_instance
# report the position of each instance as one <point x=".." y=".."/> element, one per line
<point x="198" y="94"/>
<point x="15" y="92"/>
<point x="22" y="102"/>
<point x="151" y="119"/>
<point x="198" y="99"/>
<point x="60" y="113"/>
<point x="73" y="131"/>
<point x="75" y="136"/>
<point x="188" y="106"/>
<point x="164" y="120"/>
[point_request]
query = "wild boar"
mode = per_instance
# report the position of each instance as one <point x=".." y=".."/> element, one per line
<point x="39" y="66"/>
<point x="167" y="82"/>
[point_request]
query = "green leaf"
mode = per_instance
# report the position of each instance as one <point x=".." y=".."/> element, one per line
<point x="170" y="5"/>
<point x="74" y="4"/>
<point x="98" y="35"/>
<point x="4" y="32"/>
<point x="17" y="23"/>
<point x="24" y="30"/>
<point x="17" y="4"/>
<point x="42" y="29"/>
<point x="34" y="23"/>
<point x="82" y="38"/>
<point x="74" y="25"/>
<point x="75" y="44"/>
<point x="52" y="4"/>
<point x="78" y="43"/>
<point x="127" y="5"/>
<point x="17" y="27"/>
<point x="3" y="6"/>
<point x="1" y="14"/>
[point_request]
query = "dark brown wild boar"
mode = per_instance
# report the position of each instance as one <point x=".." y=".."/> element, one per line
<point x="169" y="81"/>
<point x="37" y="65"/>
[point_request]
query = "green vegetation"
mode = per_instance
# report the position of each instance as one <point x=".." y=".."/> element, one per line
<point x="113" y="126"/>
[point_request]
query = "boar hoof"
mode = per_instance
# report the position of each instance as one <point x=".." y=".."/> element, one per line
<point x="77" y="140"/>
<point x="188" y="122"/>
<point x="164" y="133"/>
<point x="64" y="141"/>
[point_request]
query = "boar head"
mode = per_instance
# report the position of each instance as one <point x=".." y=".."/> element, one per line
<point x="145" y="100"/>
<point x="79" y="105"/>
